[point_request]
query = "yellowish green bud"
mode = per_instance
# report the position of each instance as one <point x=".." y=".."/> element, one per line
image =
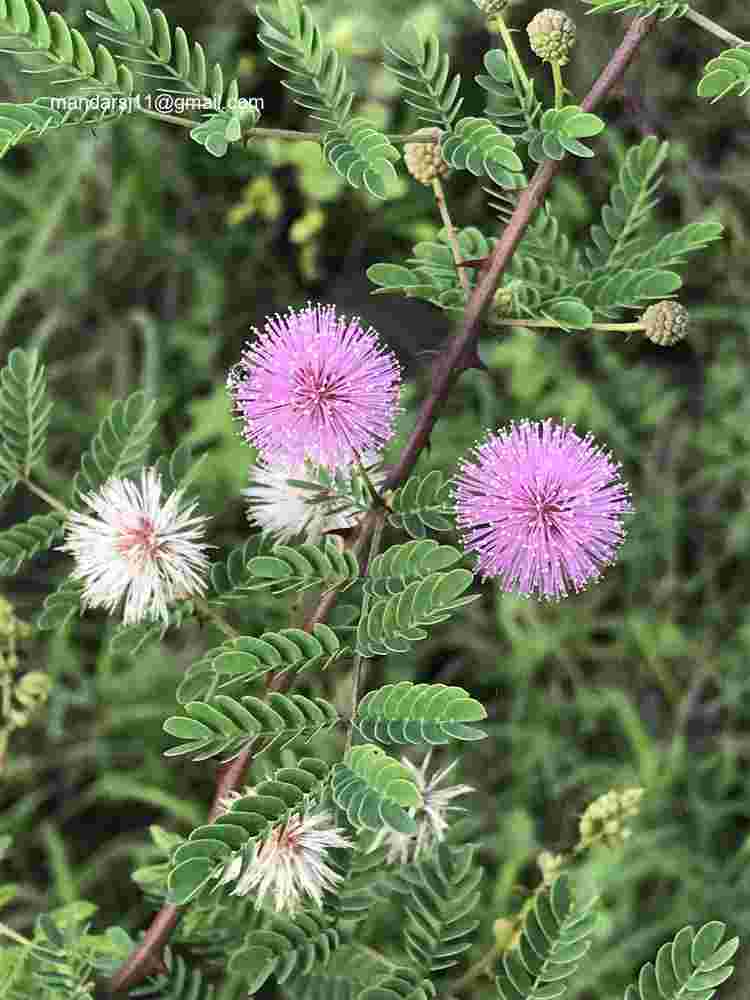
<point x="552" y="35"/>
<point x="666" y="322"/>
<point x="33" y="689"/>
<point x="424" y="160"/>
<point x="503" y="930"/>
<point x="550" y="865"/>
<point x="605" y="820"/>
<point x="502" y="304"/>
<point x="491" y="8"/>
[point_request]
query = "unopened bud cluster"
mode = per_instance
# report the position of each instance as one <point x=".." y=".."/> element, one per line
<point x="550" y="865"/>
<point x="507" y="933"/>
<point x="22" y="697"/>
<point x="665" y="322"/>
<point x="502" y="304"/>
<point x="605" y="820"/>
<point x="552" y="35"/>
<point x="491" y="8"/>
<point x="424" y="160"/>
<point x="11" y="628"/>
<point x="30" y="693"/>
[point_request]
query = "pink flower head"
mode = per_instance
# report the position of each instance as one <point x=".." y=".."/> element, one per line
<point x="315" y="386"/>
<point x="542" y="508"/>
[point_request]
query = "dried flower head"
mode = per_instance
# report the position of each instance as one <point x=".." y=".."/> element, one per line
<point x="289" y="864"/>
<point x="316" y="386"/>
<point x="432" y="824"/>
<point x="605" y="820"/>
<point x="666" y="322"/>
<point x="137" y="548"/>
<point x="424" y="160"/>
<point x="552" y="35"/>
<point x="286" y="510"/>
<point x="542" y="508"/>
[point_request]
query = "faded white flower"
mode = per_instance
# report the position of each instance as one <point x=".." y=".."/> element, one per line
<point x="135" y="548"/>
<point x="289" y="863"/>
<point x="285" y="510"/>
<point x="432" y="823"/>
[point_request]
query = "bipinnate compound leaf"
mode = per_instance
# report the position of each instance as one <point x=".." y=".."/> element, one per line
<point x="511" y="103"/>
<point x="23" y="541"/>
<point x="23" y="122"/>
<point x="423" y="503"/>
<point x="728" y="73"/>
<point x="478" y="145"/>
<point x="47" y="44"/>
<point x="25" y="410"/>
<point x="419" y="713"/>
<point x="307" y="565"/>
<point x="285" y="947"/>
<point x="553" y="942"/>
<point x="631" y="201"/>
<point x="120" y="445"/>
<point x="663" y="8"/>
<point x="693" y="964"/>
<point x="375" y="790"/>
<point x="560" y="130"/>
<point x="392" y="570"/>
<point x="423" y="72"/>
<point x="225" y="726"/>
<point x="393" y="623"/>
<point x="570" y="313"/>
<point x="147" y="41"/>
<point x="248" y="658"/>
<point x="363" y="156"/>
<point x="318" y="82"/>
<point x="60" y="606"/>
<point x="431" y="275"/>
<point x="630" y="266"/>
<point x="441" y="894"/>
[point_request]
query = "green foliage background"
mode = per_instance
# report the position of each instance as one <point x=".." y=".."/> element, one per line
<point x="133" y="259"/>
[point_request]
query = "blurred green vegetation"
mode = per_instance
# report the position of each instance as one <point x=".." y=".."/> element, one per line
<point x="132" y="259"/>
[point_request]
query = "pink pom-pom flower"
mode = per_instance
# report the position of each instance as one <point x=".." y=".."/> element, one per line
<point x="542" y="508"/>
<point x="316" y="386"/>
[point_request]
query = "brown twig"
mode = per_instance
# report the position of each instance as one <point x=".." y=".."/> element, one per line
<point x="446" y="369"/>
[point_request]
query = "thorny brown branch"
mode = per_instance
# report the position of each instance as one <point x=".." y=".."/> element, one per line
<point x="459" y="354"/>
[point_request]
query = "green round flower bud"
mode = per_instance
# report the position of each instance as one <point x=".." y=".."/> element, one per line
<point x="552" y="34"/>
<point x="666" y="322"/>
<point x="502" y="304"/>
<point x="33" y="689"/>
<point x="503" y="930"/>
<point x="424" y="160"/>
<point x="550" y="865"/>
<point x="490" y="8"/>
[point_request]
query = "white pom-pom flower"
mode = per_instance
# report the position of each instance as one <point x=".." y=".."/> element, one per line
<point x="432" y="823"/>
<point x="289" y="864"/>
<point x="286" y="511"/>
<point x="135" y="548"/>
